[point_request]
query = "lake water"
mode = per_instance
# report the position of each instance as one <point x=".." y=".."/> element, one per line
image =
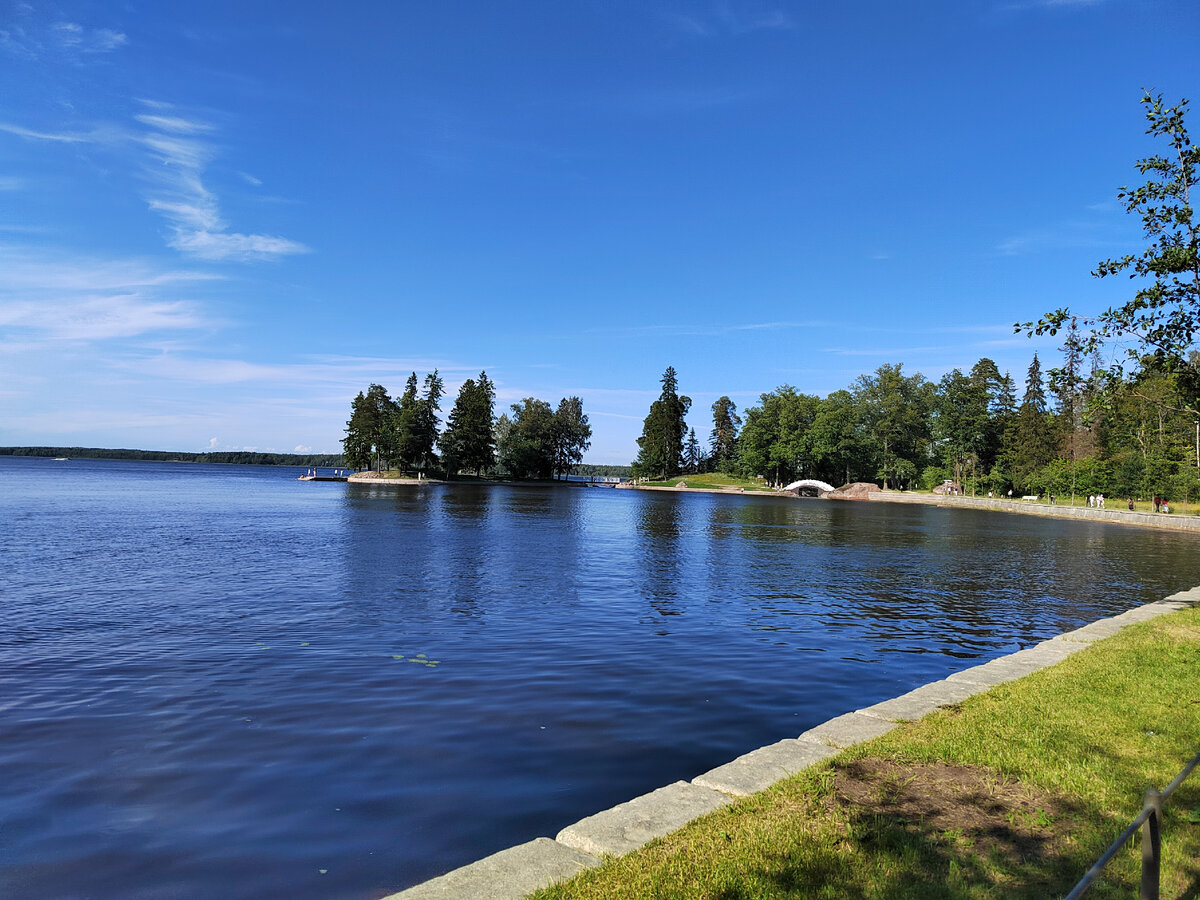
<point x="223" y="682"/>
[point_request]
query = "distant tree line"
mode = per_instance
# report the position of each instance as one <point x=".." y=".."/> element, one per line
<point x="531" y="440"/>
<point x="1119" y="415"/>
<point x="1064" y="435"/>
<point x="223" y="457"/>
<point x="590" y="469"/>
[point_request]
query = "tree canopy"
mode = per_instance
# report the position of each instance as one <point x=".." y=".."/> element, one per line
<point x="469" y="439"/>
<point x="1158" y="325"/>
<point x="660" y="448"/>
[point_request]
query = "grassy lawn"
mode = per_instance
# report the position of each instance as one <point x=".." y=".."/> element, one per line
<point x="1178" y="507"/>
<point x="713" y="481"/>
<point x="1013" y="793"/>
<point x="1122" y="503"/>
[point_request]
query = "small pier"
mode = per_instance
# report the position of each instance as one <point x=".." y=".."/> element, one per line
<point x="315" y="475"/>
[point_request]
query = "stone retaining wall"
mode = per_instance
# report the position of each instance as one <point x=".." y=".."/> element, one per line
<point x="517" y="871"/>
<point x="1168" y="521"/>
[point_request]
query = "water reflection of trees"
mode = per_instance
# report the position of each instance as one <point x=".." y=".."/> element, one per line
<point x="661" y="566"/>
<point x="870" y="579"/>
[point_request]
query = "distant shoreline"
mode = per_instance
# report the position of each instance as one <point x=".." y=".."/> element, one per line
<point x="214" y="457"/>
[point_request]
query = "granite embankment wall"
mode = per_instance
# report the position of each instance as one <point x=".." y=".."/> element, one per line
<point x="1168" y="521"/>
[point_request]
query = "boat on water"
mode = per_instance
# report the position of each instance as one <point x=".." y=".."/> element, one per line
<point x="61" y="458"/>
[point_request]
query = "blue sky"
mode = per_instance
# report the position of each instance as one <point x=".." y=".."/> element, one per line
<point x="220" y="221"/>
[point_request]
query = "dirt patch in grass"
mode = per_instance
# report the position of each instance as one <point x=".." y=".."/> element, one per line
<point x="960" y="805"/>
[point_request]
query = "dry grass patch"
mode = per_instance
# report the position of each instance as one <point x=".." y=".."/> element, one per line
<point x="961" y="806"/>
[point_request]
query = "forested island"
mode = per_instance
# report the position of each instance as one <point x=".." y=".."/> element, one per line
<point x="531" y="441"/>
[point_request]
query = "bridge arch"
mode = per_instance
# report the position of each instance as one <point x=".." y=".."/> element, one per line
<point x="811" y="484"/>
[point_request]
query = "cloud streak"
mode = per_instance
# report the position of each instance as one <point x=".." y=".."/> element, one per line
<point x="33" y="41"/>
<point x="719" y="19"/>
<point x="176" y="157"/>
<point x="52" y="299"/>
<point x="178" y="193"/>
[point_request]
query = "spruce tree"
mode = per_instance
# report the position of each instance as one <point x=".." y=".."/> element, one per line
<point x="1033" y="444"/>
<point x="723" y="440"/>
<point x="660" y="448"/>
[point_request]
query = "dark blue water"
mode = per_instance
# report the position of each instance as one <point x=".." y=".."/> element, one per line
<point x="220" y="681"/>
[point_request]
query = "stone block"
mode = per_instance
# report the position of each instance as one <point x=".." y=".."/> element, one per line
<point x="990" y="674"/>
<point x="923" y="700"/>
<point x="628" y="826"/>
<point x="759" y="769"/>
<point x="507" y="875"/>
<point x="1096" y="631"/>
<point x="848" y="730"/>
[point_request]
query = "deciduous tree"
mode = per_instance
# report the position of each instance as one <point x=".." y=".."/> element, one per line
<point x="572" y="435"/>
<point x="1161" y="321"/>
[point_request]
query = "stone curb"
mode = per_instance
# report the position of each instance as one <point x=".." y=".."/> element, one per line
<point x="507" y="875"/>
<point x="758" y="770"/>
<point x="630" y="825"/>
<point x="520" y="870"/>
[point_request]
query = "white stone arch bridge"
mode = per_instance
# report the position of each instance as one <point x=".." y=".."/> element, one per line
<point x="810" y="484"/>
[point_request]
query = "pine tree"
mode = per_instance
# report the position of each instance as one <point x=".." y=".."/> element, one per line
<point x="693" y="457"/>
<point x="407" y="426"/>
<point x="660" y="448"/>
<point x="468" y="441"/>
<point x="357" y="444"/>
<point x="1033" y="444"/>
<point x="723" y="440"/>
<point x="426" y="435"/>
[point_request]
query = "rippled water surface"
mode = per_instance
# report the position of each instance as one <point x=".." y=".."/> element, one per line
<point x="220" y="681"/>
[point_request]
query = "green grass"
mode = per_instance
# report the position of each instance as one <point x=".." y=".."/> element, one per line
<point x="713" y="481"/>
<point x="1119" y="503"/>
<point x="1178" y="507"/>
<point x="1062" y="757"/>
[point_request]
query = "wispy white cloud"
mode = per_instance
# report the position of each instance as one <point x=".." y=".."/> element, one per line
<point x="1021" y="5"/>
<point x="174" y="124"/>
<point x="61" y="137"/>
<point x="1064" y="235"/>
<point x="28" y="39"/>
<point x="341" y="373"/>
<point x="50" y="298"/>
<point x="73" y="36"/>
<point x="99" y="317"/>
<point x="176" y="159"/>
<point x="180" y="157"/>
<point x="220" y="245"/>
<point x="45" y="272"/>
<point x="716" y="19"/>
